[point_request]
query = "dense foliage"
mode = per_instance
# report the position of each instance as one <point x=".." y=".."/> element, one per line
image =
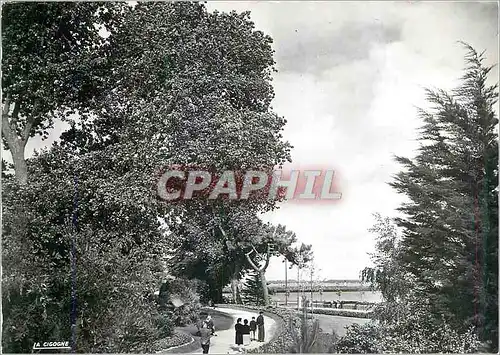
<point x="412" y="335"/>
<point x="438" y="276"/>
<point x="449" y="246"/>
<point x="180" y="301"/>
<point x="118" y="249"/>
<point x="53" y="62"/>
<point x="204" y="99"/>
<point x="253" y="293"/>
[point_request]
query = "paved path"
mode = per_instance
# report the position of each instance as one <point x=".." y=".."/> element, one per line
<point x="223" y="343"/>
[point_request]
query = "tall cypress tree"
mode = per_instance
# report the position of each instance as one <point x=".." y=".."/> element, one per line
<point x="450" y="243"/>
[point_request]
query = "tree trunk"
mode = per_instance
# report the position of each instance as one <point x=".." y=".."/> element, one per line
<point x="20" y="166"/>
<point x="234" y="289"/>
<point x="15" y="142"/>
<point x="265" y="290"/>
<point x="262" y="270"/>
<point x="238" y="293"/>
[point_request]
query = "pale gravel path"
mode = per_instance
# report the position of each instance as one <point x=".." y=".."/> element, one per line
<point x="223" y="343"/>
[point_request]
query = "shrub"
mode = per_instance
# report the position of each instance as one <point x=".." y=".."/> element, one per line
<point x="341" y="312"/>
<point x="310" y="339"/>
<point x="174" y="340"/>
<point x="165" y="325"/>
<point x="360" y="339"/>
<point x="186" y="293"/>
<point x="410" y="329"/>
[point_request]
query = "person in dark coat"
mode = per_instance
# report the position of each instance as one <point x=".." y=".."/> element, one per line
<point x="239" y="333"/>
<point x="253" y="328"/>
<point x="260" y="326"/>
<point x="246" y="332"/>
<point x="205" y="334"/>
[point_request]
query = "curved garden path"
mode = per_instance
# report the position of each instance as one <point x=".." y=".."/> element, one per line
<point x="223" y="343"/>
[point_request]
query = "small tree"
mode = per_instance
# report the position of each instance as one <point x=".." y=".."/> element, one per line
<point x="253" y="292"/>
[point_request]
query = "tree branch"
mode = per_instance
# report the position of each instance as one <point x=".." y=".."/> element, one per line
<point x="7" y="131"/>
<point x="252" y="264"/>
<point x="256" y="252"/>
<point x="222" y="230"/>
<point x="15" y="112"/>
<point x="268" y="257"/>
<point x="6" y="128"/>
<point x="26" y="131"/>
<point x="6" y="106"/>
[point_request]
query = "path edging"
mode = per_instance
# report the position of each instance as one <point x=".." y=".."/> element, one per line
<point x="280" y="338"/>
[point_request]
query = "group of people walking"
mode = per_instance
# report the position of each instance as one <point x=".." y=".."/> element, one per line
<point x="245" y="333"/>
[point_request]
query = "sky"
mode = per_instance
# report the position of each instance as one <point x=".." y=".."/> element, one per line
<point x="350" y="77"/>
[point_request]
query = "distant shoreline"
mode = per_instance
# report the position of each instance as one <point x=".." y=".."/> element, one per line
<point x="305" y="288"/>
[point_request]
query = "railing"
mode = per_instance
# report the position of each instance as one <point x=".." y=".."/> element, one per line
<point x="307" y="288"/>
<point x="354" y="305"/>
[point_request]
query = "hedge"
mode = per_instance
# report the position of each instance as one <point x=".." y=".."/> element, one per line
<point x="341" y="312"/>
<point x="177" y="339"/>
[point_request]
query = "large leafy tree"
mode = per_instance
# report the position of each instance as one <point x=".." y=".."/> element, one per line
<point x="216" y="243"/>
<point x="206" y="103"/>
<point x="450" y="234"/>
<point x="54" y="62"/>
<point x="211" y="105"/>
<point x="196" y="92"/>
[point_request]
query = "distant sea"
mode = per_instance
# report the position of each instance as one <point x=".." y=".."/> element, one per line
<point x="363" y="296"/>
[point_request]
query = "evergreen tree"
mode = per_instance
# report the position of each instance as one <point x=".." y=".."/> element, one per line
<point x="253" y="292"/>
<point x="450" y="232"/>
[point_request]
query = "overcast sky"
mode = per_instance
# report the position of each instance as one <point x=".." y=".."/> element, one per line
<point x="350" y="76"/>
